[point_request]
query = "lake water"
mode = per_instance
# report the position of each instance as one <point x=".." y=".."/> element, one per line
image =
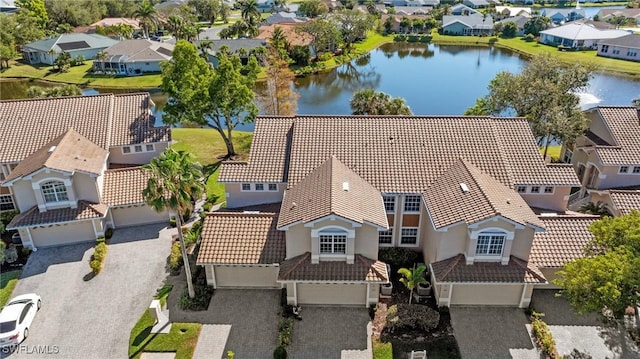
<point x="434" y="80"/>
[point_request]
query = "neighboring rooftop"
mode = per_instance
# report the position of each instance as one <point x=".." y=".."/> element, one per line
<point x="111" y="21"/>
<point x="455" y="269"/>
<point x="123" y="186"/>
<point x="294" y="38"/>
<point x="631" y="40"/>
<point x="71" y="42"/>
<point x="284" y="17"/>
<point x="583" y="31"/>
<point x="623" y="123"/>
<point x="625" y="200"/>
<point x="139" y="50"/>
<point x="241" y="238"/>
<point x="475" y="21"/>
<point x="563" y="241"/>
<point x="106" y="120"/>
<point x="332" y="189"/>
<point x="33" y="217"/>
<point x="235" y="44"/>
<point x="300" y="269"/>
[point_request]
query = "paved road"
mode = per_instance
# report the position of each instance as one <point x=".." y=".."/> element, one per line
<point x="92" y="319"/>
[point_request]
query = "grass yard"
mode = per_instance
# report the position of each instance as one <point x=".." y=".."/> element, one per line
<point x="208" y="148"/>
<point x="553" y="151"/>
<point x="382" y="350"/>
<point x="80" y="75"/>
<point x="8" y="281"/>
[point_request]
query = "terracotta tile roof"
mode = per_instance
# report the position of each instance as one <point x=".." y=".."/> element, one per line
<point x="625" y="201"/>
<point x="363" y="269"/>
<point x="388" y="151"/>
<point x="563" y="241"/>
<point x="291" y="33"/>
<point x="124" y="186"/>
<point x="455" y="269"/>
<point x="33" y="217"/>
<point x="332" y="189"/>
<point x="106" y="120"/>
<point x="485" y="198"/>
<point x="624" y="125"/>
<point x="68" y="152"/>
<point x="241" y="238"/>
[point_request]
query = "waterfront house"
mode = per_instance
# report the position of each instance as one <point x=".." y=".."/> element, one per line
<point x="560" y="16"/>
<point x="280" y="17"/>
<point x="519" y="20"/>
<point x="578" y="35"/>
<point x="108" y="21"/>
<point x="134" y="57"/>
<point x="241" y="47"/>
<point x="503" y="12"/>
<point x="625" y="47"/>
<point x="70" y="165"/>
<point x="476" y="24"/>
<point x="477" y="4"/>
<point x="293" y="37"/>
<point x="462" y="10"/>
<point x="46" y="51"/>
<point x="631" y="14"/>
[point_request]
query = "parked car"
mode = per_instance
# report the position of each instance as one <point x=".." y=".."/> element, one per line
<point x="15" y="239"/>
<point x="16" y="317"/>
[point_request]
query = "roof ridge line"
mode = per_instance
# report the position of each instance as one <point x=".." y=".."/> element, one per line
<point x="525" y="265"/>
<point x="454" y="263"/>
<point x="112" y="105"/>
<point x="303" y="257"/>
<point x="123" y="169"/>
<point x="371" y="265"/>
<point x="482" y="188"/>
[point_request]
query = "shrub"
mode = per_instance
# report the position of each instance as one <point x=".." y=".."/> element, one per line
<point x="199" y="302"/>
<point x="280" y="353"/>
<point x="100" y="251"/>
<point x="96" y="266"/>
<point x="100" y="240"/>
<point x="197" y="226"/>
<point x="528" y="37"/>
<point x="398" y="257"/>
<point x="544" y="338"/>
<point x="325" y="57"/>
<point x="10" y="255"/>
<point x="108" y="233"/>
<point x="412" y="316"/>
<point x="175" y="258"/>
<point x="3" y="247"/>
<point x="6" y="217"/>
<point x="172" y="221"/>
<point x="285" y="329"/>
<point x="206" y="207"/>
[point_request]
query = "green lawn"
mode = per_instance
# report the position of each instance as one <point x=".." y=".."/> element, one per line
<point x="208" y="148"/>
<point x="553" y="151"/>
<point x="382" y="350"/>
<point x="80" y="75"/>
<point x="520" y="46"/>
<point x="8" y="281"/>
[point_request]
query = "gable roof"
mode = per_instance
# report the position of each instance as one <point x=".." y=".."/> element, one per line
<point x="484" y="198"/>
<point x="518" y="20"/>
<point x="236" y="44"/>
<point x="33" y="217"/>
<point x="70" y="42"/>
<point x="106" y="120"/>
<point x="241" y="238"/>
<point x="514" y="11"/>
<point x="455" y="270"/>
<point x="625" y="200"/>
<point x="124" y="186"/>
<point x="282" y="16"/>
<point x="363" y="269"/>
<point x="550" y="12"/>
<point x="563" y="241"/>
<point x="603" y="14"/>
<point x="293" y="37"/>
<point x="332" y="189"/>
<point x="139" y="50"/>
<point x="474" y="21"/>
<point x="631" y="40"/>
<point x="623" y="123"/>
<point x="387" y="151"/>
<point x="68" y="152"/>
<point x="111" y="21"/>
<point x="582" y="31"/>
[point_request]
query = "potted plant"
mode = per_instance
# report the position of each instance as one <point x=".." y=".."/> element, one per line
<point x="424" y="288"/>
<point x="386" y="288"/>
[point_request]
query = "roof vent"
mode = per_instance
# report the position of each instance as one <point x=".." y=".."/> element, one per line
<point x="52" y="148"/>
<point x="251" y="212"/>
<point x="345" y="186"/>
<point x="508" y="200"/>
<point x="464" y="187"/>
<point x="548" y="214"/>
<point x="293" y="205"/>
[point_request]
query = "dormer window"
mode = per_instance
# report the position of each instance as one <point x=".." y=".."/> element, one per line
<point x="54" y="191"/>
<point x="490" y="244"/>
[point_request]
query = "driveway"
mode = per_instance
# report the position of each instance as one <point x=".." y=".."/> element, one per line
<point x="324" y="332"/>
<point x="93" y="318"/>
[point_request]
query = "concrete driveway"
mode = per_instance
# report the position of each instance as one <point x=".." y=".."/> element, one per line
<point x="93" y="318"/>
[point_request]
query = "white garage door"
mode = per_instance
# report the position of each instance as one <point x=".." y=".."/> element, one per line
<point x="133" y="216"/>
<point x="74" y="232"/>
<point x="251" y="277"/>
<point x="345" y="294"/>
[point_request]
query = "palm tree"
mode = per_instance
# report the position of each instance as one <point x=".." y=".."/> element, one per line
<point x="249" y="9"/>
<point x="204" y="46"/>
<point x="102" y="57"/>
<point x="147" y="15"/>
<point x="177" y="26"/>
<point x="597" y="208"/>
<point x="174" y="181"/>
<point x="412" y="277"/>
<point x="278" y="39"/>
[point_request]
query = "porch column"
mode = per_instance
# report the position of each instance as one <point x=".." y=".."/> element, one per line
<point x="524" y="301"/>
<point x="30" y="239"/>
<point x="295" y="293"/>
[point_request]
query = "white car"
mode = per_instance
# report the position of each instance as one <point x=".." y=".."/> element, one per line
<point x="16" y="317"/>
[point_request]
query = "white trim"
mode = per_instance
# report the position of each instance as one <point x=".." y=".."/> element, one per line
<point x="332" y="217"/>
<point x="416" y="244"/>
<point x="522" y="297"/>
<point x="351" y="233"/>
<point x="450" y="295"/>
<point x="132" y="148"/>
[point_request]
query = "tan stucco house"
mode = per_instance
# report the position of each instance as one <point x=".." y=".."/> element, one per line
<point x="70" y="165"/>
<point x="320" y="195"/>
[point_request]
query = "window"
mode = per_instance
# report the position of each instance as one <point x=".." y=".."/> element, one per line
<point x="605" y="48"/>
<point x="412" y="203"/>
<point x="490" y="244"/>
<point x="138" y="148"/>
<point x="333" y="242"/>
<point x="631" y="53"/>
<point x="548" y="189"/>
<point x="246" y="186"/>
<point x="273" y="187"/>
<point x="568" y="154"/>
<point x="623" y="169"/>
<point x="385" y="237"/>
<point x="149" y="148"/>
<point x="535" y="189"/>
<point x="636" y="170"/>
<point x="581" y="171"/>
<point x="259" y="186"/>
<point x="6" y="203"/>
<point x="521" y="189"/>
<point x="409" y="236"/>
<point x="389" y="203"/>
<point x="126" y="149"/>
<point x="54" y="191"/>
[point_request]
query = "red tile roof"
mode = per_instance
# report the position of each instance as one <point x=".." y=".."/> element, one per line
<point x="33" y="217"/>
<point x="625" y="201"/>
<point x="563" y="241"/>
<point x="624" y="125"/>
<point x="124" y="186"/>
<point x="363" y="270"/>
<point x="455" y="270"/>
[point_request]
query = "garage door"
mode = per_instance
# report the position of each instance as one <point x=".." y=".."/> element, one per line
<point x="486" y="294"/>
<point x="75" y="232"/>
<point x="133" y="216"/>
<point x="255" y="277"/>
<point x="345" y="294"/>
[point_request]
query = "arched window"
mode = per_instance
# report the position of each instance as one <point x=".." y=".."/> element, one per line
<point x="54" y="191"/>
<point x="333" y="241"/>
<point x="490" y="243"/>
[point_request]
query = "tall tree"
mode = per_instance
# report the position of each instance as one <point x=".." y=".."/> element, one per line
<point x="353" y="25"/>
<point x="545" y="93"/>
<point x="249" y="9"/>
<point x="175" y="180"/>
<point x="147" y="16"/>
<point x="36" y="9"/>
<point x="371" y="102"/>
<point x="324" y="33"/>
<point x="412" y="277"/>
<point x="609" y="278"/>
<point x="220" y="98"/>
<point x="535" y="24"/>
<point x="278" y="97"/>
<point x="313" y="8"/>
